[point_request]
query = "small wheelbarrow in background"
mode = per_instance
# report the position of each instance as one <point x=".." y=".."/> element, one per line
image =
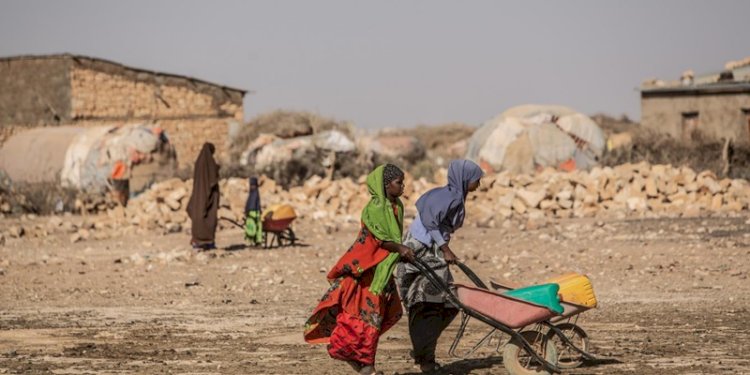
<point x="276" y="224"/>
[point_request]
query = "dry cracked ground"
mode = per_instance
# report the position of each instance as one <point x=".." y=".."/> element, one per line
<point x="674" y="299"/>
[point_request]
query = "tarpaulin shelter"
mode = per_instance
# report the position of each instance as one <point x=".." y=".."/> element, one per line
<point x="36" y="155"/>
<point x="268" y="150"/>
<point x="405" y="147"/>
<point x="527" y="137"/>
<point x="89" y="158"/>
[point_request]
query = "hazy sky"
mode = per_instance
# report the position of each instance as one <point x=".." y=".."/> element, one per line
<point x="397" y="63"/>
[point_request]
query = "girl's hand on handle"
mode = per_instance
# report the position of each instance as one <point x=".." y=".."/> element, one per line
<point x="448" y="254"/>
<point x="406" y="253"/>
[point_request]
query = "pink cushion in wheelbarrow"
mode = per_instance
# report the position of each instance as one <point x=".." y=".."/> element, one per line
<point x="512" y="312"/>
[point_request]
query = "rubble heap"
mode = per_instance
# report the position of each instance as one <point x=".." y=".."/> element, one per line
<point x="628" y="190"/>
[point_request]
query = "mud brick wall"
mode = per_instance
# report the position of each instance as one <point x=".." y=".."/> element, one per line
<point x="188" y="137"/>
<point x="33" y="92"/>
<point x="97" y="94"/>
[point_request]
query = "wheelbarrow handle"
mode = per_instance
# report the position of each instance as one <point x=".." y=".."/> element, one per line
<point x="437" y="282"/>
<point x="232" y="221"/>
<point x="472" y="276"/>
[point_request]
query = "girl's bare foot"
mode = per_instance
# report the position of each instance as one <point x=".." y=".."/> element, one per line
<point x="355" y="365"/>
<point x="369" y="370"/>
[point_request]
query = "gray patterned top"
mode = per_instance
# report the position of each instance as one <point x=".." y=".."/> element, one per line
<point x="413" y="287"/>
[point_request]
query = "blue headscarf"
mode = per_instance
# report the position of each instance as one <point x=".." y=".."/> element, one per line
<point x="253" y="197"/>
<point x="443" y="208"/>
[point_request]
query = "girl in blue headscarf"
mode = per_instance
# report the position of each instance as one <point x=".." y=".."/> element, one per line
<point x="440" y="213"/>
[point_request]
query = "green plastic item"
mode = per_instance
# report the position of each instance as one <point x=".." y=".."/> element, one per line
<point x="544" y="295"/>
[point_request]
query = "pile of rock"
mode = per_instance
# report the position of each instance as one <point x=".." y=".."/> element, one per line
<point x="5" y="205"/>
<point x="629" y="190"/>
<point x="639" y="190"/>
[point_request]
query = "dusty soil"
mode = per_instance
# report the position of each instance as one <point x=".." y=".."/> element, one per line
<point x="674" y="299"/>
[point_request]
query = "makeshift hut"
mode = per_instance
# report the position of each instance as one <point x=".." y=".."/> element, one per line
<point x="93" y="159"/>
<point x="525" y="138"/>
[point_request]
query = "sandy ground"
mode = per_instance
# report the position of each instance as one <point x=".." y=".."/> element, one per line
<point x="674" y="299"/>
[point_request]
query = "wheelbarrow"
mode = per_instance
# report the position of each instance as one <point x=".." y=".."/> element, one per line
<point x="570" y="340"/>
<point x="528" y="351"/>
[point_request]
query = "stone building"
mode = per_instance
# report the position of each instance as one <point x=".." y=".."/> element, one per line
<point x="76" y="90"/>
<point x="713" y="107"/>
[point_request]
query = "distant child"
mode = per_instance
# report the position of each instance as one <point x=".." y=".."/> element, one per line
<point x="253" y="225"/>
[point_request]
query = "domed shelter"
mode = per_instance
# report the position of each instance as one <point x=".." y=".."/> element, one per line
<point x="90" y="158"/>
<point x="528" y="137"/>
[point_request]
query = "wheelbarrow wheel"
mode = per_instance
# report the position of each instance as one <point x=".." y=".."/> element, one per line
<point x="290" y="236"/>
<point x="518" y="362"/>
<point x="567" y="357"/>
<point x="285" y="237"/>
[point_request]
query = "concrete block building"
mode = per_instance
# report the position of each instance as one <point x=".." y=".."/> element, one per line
<point x="709" y="108"/>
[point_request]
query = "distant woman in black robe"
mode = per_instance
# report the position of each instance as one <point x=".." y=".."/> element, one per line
<point x="204" y="201"/>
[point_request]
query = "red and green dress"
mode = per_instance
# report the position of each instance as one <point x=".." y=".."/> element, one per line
<point x="349" y="317"/>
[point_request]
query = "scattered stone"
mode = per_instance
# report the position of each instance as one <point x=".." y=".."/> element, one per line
<point x="55" y="222"/>
<point x="16" y="231"/>
<point x="84" y="233"/>
<point x="69" y="227"/>
<point x="76" y="237"/>
<point x="531" y="199"/>
<point x="137" y="259"/>
<point x="692" y="211"/>
<point x="173" y="228"/>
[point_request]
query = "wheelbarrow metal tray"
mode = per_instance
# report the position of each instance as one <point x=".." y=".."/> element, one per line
<point x="512" y="312"/>
<point x="272" y="225"/>
<point x="570" y="309"/>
